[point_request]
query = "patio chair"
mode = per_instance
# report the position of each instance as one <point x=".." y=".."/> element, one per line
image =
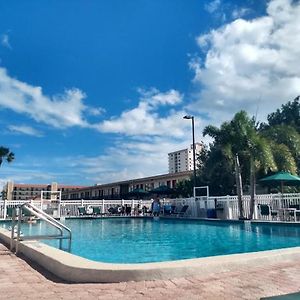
<point x="128" y="210"/>
<point x="296" y="213"/>
<point x="115" y="210"/>
<point x="28" y="217"/>
<point x="146" y="211"/>
<point x="265" y="210"/>
<point x="111" y="210"/>
<point x="83" y="211"/>
<point x="167" y="210"/>
<point x="96" y="210"/>
<point x="9" y="211"/>
<point x="182" y="212"/>
<point x="27" y="214"/>
<point x="173" y="208"/>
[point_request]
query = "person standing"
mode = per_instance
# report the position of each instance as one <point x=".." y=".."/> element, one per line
<point x="156" y="207"/>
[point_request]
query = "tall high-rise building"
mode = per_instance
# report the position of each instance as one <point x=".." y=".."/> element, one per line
<point x="182" y="160"/>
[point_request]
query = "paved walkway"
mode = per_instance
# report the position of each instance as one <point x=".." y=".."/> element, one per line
<point x="21" y="280"/>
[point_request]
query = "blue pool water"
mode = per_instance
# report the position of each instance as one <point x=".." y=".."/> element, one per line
<point x="126" y="240"/>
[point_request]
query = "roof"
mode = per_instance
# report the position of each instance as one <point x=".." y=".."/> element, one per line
<point x="27" y="185"/>
<point x="169" y="176"/>
<point x="161" y="176"/>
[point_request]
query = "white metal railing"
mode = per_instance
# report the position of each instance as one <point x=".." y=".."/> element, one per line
<point x="34" y="211"/>
<point x="225" y="206"/>
<point x="70" y="207"/>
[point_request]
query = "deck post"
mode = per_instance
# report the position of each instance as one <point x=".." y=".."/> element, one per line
<point x="4" y="208"/>
<point x="103" y="206"/>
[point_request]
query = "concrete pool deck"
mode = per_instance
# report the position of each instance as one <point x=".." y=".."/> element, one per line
<point x="21" y="279"/>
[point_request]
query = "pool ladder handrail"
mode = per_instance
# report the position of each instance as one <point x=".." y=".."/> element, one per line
<point x="42" y="215"/>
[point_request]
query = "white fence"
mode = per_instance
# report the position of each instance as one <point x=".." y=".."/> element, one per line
<point x="69" y="208"/>
<point x="225" y="207"/>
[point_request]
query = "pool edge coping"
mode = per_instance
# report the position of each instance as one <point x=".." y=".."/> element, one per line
<point x="73" y="268"/>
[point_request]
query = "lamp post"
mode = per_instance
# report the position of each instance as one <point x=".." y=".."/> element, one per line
<point x="189" y="117"/>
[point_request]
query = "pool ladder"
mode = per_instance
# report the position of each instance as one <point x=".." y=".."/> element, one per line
<point x="34" y="211"/>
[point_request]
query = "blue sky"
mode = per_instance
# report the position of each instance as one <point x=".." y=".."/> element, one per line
<point x="94" y="91"/>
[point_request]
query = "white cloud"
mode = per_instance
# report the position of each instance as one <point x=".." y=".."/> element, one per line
<point x="154" y="97"/>
<point x="68" y="110"/>
<point x="5" y="41"/>
<point x="127" y="159"/>
<point x="23" y="129"/>
<point x="148" y="132"/>
<point x="250" y="64"/>
<point x="240" y="12"/>
<point x="212" y="6"/>
<point x="20" y="175"/>
<point x="93" y="111"/>
<point x="145" y="119"/>
<point x="60" y="111"/>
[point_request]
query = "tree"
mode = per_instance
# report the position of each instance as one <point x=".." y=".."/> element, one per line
<point x="6" y="155"/>
<point x="216" y="171"/>
<point x="289" y="114"/>
<point x="184" y="188"/>
<point x="239" y="187"/>
<point x="261" y="149"/>
<point x="240" y="137"/>
<point x="285" y="144"/>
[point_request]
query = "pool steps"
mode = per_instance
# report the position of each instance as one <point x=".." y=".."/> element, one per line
<point x="18" y="218"/>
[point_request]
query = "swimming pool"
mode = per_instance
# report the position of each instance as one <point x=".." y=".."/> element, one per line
<point x="138" y="240"/>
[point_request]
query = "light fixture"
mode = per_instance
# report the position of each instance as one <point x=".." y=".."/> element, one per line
<point x="189" y="117"/>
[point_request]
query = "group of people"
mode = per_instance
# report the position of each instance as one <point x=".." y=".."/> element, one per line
<point x="155" y="209"/>
<point x="126" y="210"/>
<point x="123" y="210"/>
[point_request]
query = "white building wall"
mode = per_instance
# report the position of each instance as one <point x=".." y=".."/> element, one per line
<point x="182" y="160"/>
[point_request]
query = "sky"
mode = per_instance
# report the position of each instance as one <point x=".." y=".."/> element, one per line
<point x="94" y="91"/>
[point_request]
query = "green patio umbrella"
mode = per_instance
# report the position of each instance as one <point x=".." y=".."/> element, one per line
<point x="282" y="178"/>
<point x="162" y="190"/>
<point x="137" y="193"/>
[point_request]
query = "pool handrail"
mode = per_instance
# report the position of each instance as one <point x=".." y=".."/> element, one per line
<point x="44" y="216"/>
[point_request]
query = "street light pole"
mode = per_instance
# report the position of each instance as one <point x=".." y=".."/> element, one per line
<point x="188" y="117"/>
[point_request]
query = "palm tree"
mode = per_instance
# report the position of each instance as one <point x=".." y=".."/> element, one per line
<point x="285" y="144"/>
<point x="240" y="137"/>
<point x="6" y="155"/>
<point x="239" y="187"/>
<point x="265" y="150"/>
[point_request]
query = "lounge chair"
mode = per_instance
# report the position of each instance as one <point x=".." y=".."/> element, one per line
<point x="116" y="210"/>
<point x="182" y="212"/>
<point x="146" y="211"/>
<point x="296" y="213"/>
<point x="96" y="210"/>
<point x="27" y="213"/>
<point x="169" y="209"/>
<point x="28" y="217"/>
<point x="128" y="210"/>
<point x="83" y="211"/>
<point x="292" y="296"/>
<point x="266" y="210"/>
<point x="111" y="210"/>
<point x="9" y="211"/>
